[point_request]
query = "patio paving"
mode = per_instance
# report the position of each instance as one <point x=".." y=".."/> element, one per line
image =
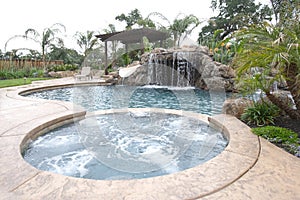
<point x="249" y="168"/>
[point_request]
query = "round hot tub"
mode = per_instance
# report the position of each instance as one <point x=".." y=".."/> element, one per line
<point x="127" y="144"/>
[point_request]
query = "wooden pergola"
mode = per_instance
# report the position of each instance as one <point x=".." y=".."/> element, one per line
<point x="132" y="36"/>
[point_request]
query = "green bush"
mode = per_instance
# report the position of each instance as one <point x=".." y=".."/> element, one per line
<point x="20" y="73"/>
<point x="260" y="114"/>
<point x="65" y="67"/>
<point x="283" y="137"/>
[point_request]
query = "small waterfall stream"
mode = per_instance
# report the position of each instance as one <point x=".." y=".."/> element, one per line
<point x="170" y="70"/>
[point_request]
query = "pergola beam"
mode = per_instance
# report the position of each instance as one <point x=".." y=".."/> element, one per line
<point x="130" y="37"/>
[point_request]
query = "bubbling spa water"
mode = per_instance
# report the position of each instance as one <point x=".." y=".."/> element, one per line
<point x="127" y="143"/>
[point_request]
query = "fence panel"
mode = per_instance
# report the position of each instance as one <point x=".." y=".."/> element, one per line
<point x="22" y="63"/>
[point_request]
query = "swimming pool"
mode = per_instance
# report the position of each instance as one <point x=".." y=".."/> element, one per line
<point x="132" y="133"/>
<point x="95" y="98"/>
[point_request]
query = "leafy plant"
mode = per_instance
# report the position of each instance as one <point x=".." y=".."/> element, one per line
<point x="270" y="48"/>
<point x="222" y="51"/>
<point x="20" y="73"/>
<point x="260" y="114"/>
<point x="276" y="134"/>
<point x="283" y="137"/>
<point x="65" y="67"/>
<point x="125" y="59"/>
<point x="231" y="15"/>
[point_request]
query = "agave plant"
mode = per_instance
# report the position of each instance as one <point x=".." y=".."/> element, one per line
<point x="270" y="48"/>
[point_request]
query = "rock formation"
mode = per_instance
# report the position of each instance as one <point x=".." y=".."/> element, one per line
<point x="236" y="106"/>
<point x="186" y="66"/>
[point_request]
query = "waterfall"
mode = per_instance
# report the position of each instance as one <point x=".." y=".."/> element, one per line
<point x="151" y="64"/>
<point x="274" y="86"/>
<point x="175" y="70"/>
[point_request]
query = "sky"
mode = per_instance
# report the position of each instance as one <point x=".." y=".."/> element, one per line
<point x="93" y="15"/>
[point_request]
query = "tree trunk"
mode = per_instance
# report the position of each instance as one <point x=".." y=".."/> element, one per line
<point x="175" y="39"/>
<point x="292" y="113"/>
<point x="291" y="73"/>
<point x="293" y="84"/>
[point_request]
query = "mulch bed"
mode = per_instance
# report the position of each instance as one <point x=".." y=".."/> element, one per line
<point x="289" y="123"/>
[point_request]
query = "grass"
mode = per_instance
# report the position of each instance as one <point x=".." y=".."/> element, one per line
<point x="19" y="81"/>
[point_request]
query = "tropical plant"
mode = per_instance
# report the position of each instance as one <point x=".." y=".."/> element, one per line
<point x="124" y="60"/>
<point x="182" y="27"/>
<point x="260" y="114"/>
<point x="86" y="41"/>
<point x="270" y="48"/>
<point x="222" y="51"/>
<point x="45" y="40"/>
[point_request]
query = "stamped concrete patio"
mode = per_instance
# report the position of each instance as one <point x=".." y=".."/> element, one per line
<point x="249" y="168"/>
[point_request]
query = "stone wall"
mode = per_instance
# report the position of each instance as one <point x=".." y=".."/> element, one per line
<point x="187" y="66"/>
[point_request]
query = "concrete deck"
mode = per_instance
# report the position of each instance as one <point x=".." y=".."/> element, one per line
<point x="249" y="168"/>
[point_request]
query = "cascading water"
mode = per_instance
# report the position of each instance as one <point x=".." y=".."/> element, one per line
<point x="170" y="70"/>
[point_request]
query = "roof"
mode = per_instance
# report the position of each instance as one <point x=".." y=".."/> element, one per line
<point x="133" y="36"/>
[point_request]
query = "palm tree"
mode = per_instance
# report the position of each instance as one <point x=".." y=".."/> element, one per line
<point x="47" y="38"/>
<point x="183" y="27"/>
<point x="86" y="41"/>
<point x="271" y="48"/>
<point x="180" y="28"/>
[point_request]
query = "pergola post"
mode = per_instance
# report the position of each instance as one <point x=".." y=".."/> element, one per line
<point x="142" y="46"/>
<point x="131" y="37"/>
<point x="106" y="58"/>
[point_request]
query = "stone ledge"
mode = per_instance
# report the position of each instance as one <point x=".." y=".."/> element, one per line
<point x="274" y="174"/>
<point x="199" y="181"/>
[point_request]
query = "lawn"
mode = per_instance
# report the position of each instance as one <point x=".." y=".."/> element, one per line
<point x="17" y="82"/>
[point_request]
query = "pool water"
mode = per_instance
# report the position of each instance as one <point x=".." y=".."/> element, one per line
<point x="133" y="143"/>
<point x="126" y="145"/>
<point x="95" y="98"/>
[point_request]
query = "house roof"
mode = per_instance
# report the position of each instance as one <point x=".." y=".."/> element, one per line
<point x="133" y="36"/>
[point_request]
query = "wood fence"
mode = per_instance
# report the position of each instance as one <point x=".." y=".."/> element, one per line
<point x="24" y="63"/>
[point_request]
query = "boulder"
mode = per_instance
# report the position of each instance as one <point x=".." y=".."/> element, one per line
<point x="185" y="66"/>
<point x="61" y="74"/>
<point x="236" y="106"/>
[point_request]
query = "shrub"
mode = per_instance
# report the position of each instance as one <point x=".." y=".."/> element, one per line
<point x="65" y="67"/>
<point x="283" y="137"/>
<point x="20" y="73"/>
<point x="260" y="114"/>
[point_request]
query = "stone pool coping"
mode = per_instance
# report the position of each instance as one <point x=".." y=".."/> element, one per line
<point x="249" y="167"/>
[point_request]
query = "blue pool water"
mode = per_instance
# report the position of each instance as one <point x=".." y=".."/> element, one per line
<point x="132" y="144"/>
<point x="95" y="98"/>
